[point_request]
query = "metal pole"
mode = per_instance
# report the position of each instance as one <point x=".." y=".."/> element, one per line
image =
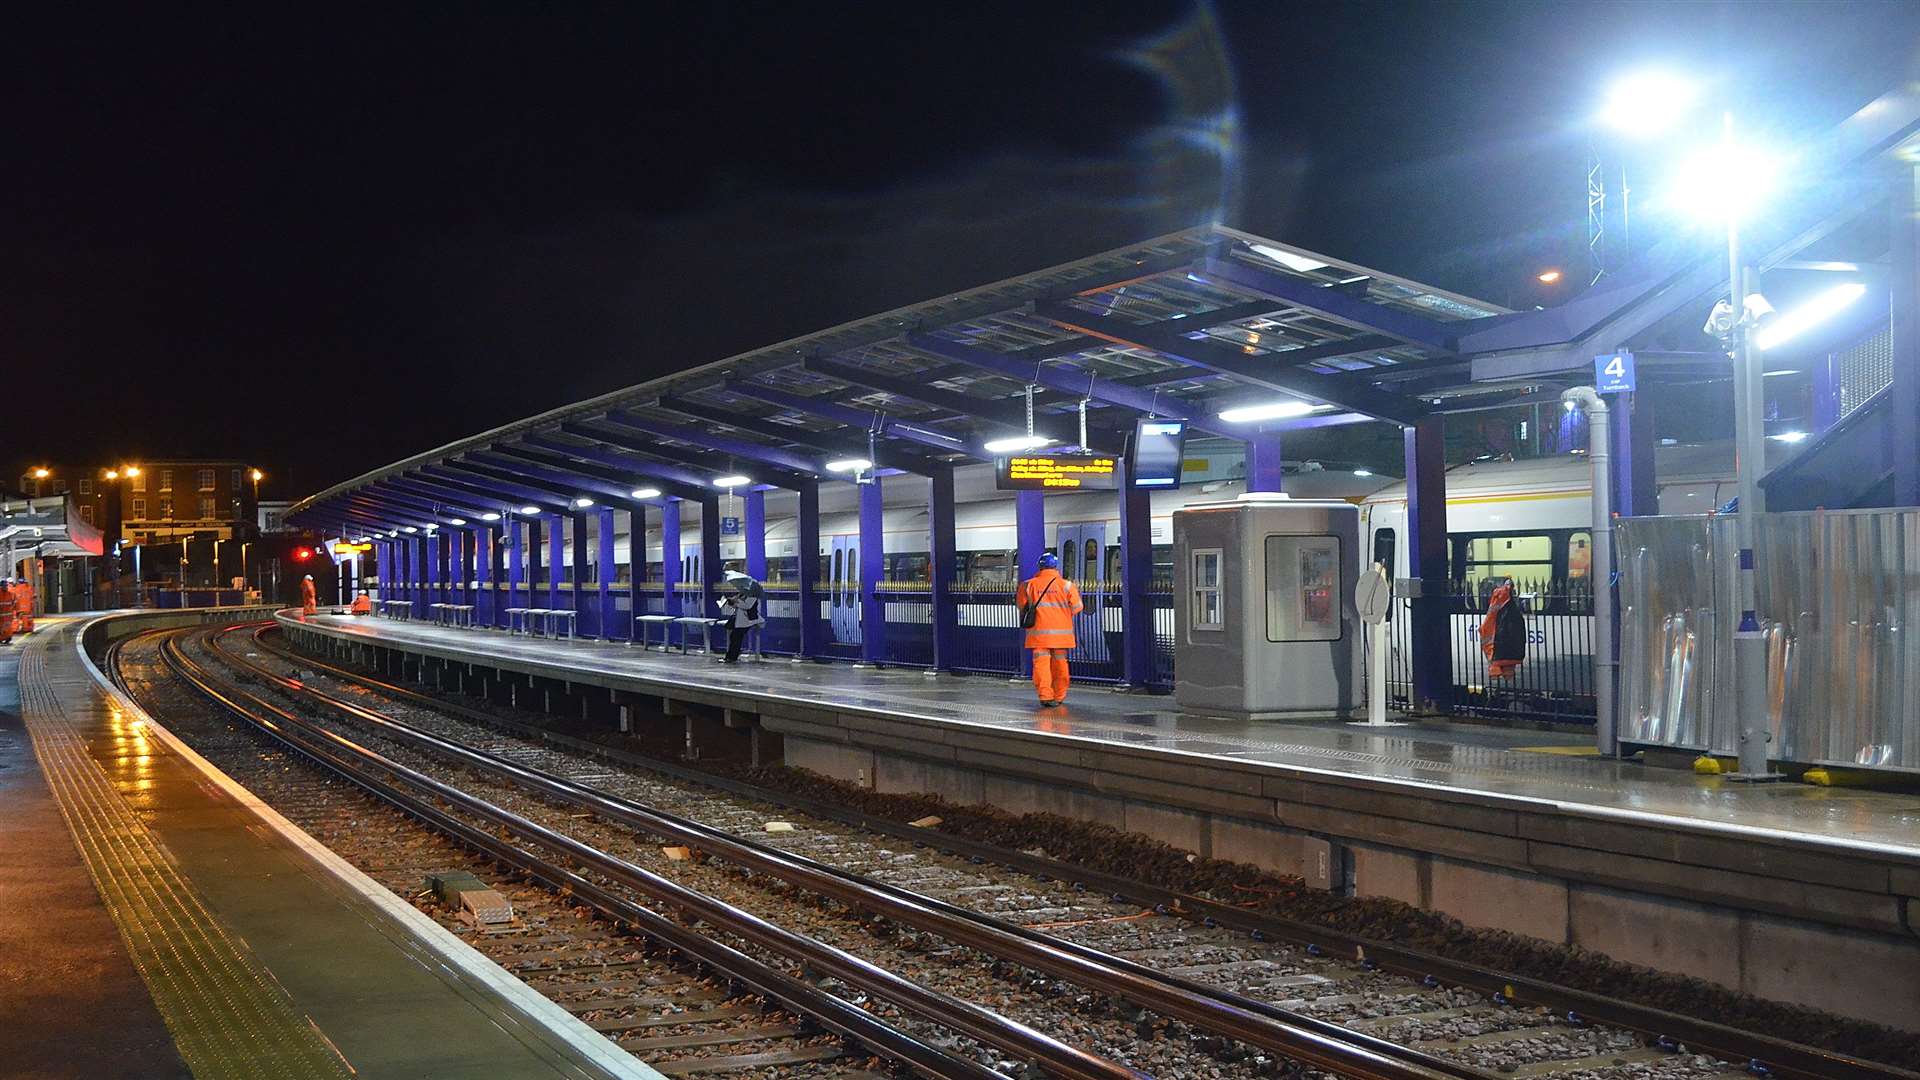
<point x="1606" y="662"/>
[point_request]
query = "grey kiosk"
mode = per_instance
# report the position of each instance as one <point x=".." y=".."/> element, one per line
<point x="1264" y="623"/>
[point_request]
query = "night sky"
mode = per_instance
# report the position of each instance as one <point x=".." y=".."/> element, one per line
<point x="322" y="245"/>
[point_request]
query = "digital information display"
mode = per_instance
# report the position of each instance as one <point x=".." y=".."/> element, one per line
<point x="1056" y="472"/>
<point x="1159" y="453"/>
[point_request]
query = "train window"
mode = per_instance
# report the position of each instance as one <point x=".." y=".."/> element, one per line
<point x="1579" y="555"/>
<point x="1304" y="590"/>
<point x="1383" y="548"/>
<point x="1091" y="563"/>
<point x="833" y="579"/>
<point x="1492" y="559"/>
<point x="1113" y="566"/>
<point x="853" y="576"/>
<point x="1069" y="560"/>
<point x="1205" y="612"/>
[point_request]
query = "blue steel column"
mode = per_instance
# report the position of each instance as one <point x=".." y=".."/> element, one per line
<point x="521" y="533"/>
<point x="383" y="565"/>
<point x="604" y="571"/>
<point x="709" y="558"/>
<point x="469" y="566"/>
<point x="670" y="557"/>
<point x="1136" y="571"/>
<point x="496" y="576"/>
<point x="1432" y="655"/>
<point x="578" y="567"/>
<point x="807" y="552"/>
<point x="1631" y="419"/>
<point x="755" y="529"/>
<point x="943" y="557"/>
<point x="422" y="576"/>
<point x="556" y="557"/>
<point x="1030" y="536"/>
<point x="636" y="560"/>
<point x="1263" y="462"/>
<point x="873" y="568"/>
<point x="1905" y="329"/>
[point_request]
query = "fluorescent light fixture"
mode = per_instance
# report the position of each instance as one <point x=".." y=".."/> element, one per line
<point x="1548" y="277"/>
<point x="1363" y="472"/>
<point x="852" y="464"/>
<point x="732" y="481"/>
<point x="529" y="510"/>
<point x="1017" y="443"/>
<point x="395" y="533"/>
<point x="1790" y="436"/>
<point x="1648" y="102"/>
<point x="489" y="516"/>
<point x="408" y="529"/>
<point x="1782" y="371"/>
<point x="582" y="503"/>
<point x="645" y="493"/>
<point x="456" y="521"/>
<point x="1274" y="410"/>
<point x="1824" y="305"/>
<point x="1288" y="259"/>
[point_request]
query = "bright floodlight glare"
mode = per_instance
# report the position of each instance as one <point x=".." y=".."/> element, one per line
<point x="1824" y="305"/>
<point x="131" y="470"/>
<point x="1647" y="103"/>
<point x="529" y="510"/>
<point x="1722" y="179"/>
<point x="1363" y="472"/>
<point x="256" y="475"/>
<point x="1288" y="259"/>
<point x="1274" y="410"/>
<point x="852" y="464"/>
<point x="1016" y="444"/>
<point x="456" y="521"/>
<point x="489" y="516"/>
<point x="582" y="503"/>
<point x="1789" y="436"/>
<point x="732" y="481"/>
<point x="41" y="473"/>
<point x="645" y="493"/>
<point x="1548" y="277"/>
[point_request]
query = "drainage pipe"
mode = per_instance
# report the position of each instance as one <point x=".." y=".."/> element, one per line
<point x="1606" y="661"/>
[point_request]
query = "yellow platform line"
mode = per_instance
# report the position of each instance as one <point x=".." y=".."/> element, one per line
<point x="227" y="1015"/>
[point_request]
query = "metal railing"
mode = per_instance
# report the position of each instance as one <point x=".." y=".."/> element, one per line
<point x="1553" y="684"/>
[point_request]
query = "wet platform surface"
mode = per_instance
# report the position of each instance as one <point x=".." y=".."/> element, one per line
<point x="186" y="906"/>
<point x="1538" y="769"/>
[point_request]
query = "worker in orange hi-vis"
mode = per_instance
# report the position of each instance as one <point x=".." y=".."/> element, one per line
<point x="23" y="606"/>
<point x="309" y="600"/>
<point x="6" y="611"/>
<point x="1047" y="603"/>
<point x="362" y="605"/>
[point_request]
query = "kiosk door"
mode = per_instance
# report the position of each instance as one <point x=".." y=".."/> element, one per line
<point x="843" y="587"/>
<point x="1081" y="563"/>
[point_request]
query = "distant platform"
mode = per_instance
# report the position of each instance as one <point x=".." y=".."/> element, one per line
<point x="164" y="923"/>
<point x="1751" y="886"/>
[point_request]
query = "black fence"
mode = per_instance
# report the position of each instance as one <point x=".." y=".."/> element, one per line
<point x="1555" y="681"/>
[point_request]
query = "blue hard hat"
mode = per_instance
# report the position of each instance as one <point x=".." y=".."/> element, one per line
<point x="1049" y="561"/>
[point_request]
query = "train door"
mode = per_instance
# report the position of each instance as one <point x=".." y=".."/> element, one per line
<point x="1081" y="547"/>
<point x="690" y="575"/>
<point x="843" y="589"/>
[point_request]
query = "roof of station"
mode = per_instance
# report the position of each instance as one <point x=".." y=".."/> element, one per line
<point x="1184" y="325"/>
<point x="46" y="526"/>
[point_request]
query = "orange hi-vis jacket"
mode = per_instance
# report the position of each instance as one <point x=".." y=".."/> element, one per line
<point x="1059" y="601"/>
<point x="6" y="613"/>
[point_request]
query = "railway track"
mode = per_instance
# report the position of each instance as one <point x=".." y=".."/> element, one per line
<point x="1138" y="977"/>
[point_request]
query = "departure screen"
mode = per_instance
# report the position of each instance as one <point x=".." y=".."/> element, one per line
<point x="1159" y="450"/>
<point x="1055" y="472"/>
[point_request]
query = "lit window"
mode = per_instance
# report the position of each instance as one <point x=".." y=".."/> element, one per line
<point x="166" y="509"/>
<point x="139" y="509"/>
<point x="206" y="509"/>
<point x="166" y="482"/>
<point x="205" y="479"/>
<point x="1206" y="612"/>
<point x="1304" y="590"/>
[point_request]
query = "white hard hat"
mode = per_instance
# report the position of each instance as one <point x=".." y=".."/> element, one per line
<point x="309" y="577"/>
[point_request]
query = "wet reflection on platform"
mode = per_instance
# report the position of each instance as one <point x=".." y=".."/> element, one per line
<point x="1497" y="763"/>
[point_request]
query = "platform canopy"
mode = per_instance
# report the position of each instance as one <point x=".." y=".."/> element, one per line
<point x="1185" y="325"/>
<point x="47" y="527"/>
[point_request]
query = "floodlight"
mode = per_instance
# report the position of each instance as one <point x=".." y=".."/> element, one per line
<point x="852" y="464"/>
<point x="1017" y="443"/>
<point x="1726" y="178"/>
<point x="645" y="493"/>
<point x="1823" y="306"/>
<point x="1548" y="277"/>
<point x="1648" y="103"/>
<point x="1273" y="410"/>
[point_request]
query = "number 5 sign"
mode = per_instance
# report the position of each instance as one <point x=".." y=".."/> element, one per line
<point x="1613" y="373"/>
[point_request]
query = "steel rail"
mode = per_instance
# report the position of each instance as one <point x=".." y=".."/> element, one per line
<point x="1315" y="1042"/>
<point x="1784" y="1059"/>
<point x="354" y="761"/>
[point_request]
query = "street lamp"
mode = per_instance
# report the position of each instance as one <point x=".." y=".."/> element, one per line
<point x="256" y="476"/>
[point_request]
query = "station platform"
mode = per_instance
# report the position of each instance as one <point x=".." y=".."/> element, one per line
<point x="1789" y="891"/>
<point x="163" y="922"/>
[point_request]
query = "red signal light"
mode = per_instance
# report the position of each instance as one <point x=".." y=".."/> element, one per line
<point x="302" y="554"/>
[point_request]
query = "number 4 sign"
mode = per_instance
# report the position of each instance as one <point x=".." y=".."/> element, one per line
<point x="1613" y="373"/>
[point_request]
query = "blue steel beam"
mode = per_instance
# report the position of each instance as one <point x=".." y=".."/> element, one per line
<point x="1354" y="311"/>
<point x="460" y="487"/>
<point x="1005" y="413"/>
<point x="827" y="444"/>
<point x="427" y="489"/>
<point x="561" y="480"/>
<point x="697" y="466"/>
<point x="497" y="484"/>
<point x="664" y="475"/>
<point x="1221" y="357"/>
<point x="858" y="419"/>
<point x="611" y="481"/>
<point x="740" y="448"/>
<point x="440" y="507"/>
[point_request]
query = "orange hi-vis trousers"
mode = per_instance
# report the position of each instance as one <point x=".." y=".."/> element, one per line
<point x="1050" y="675"/>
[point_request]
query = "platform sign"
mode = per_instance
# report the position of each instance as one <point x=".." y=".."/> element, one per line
<point x="1056" y="472"/>
<point x="729" y="526"/>
<point x="343" y="547"/>
<point x="1613" y="373"/>
<point x="1159" y="453"/>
